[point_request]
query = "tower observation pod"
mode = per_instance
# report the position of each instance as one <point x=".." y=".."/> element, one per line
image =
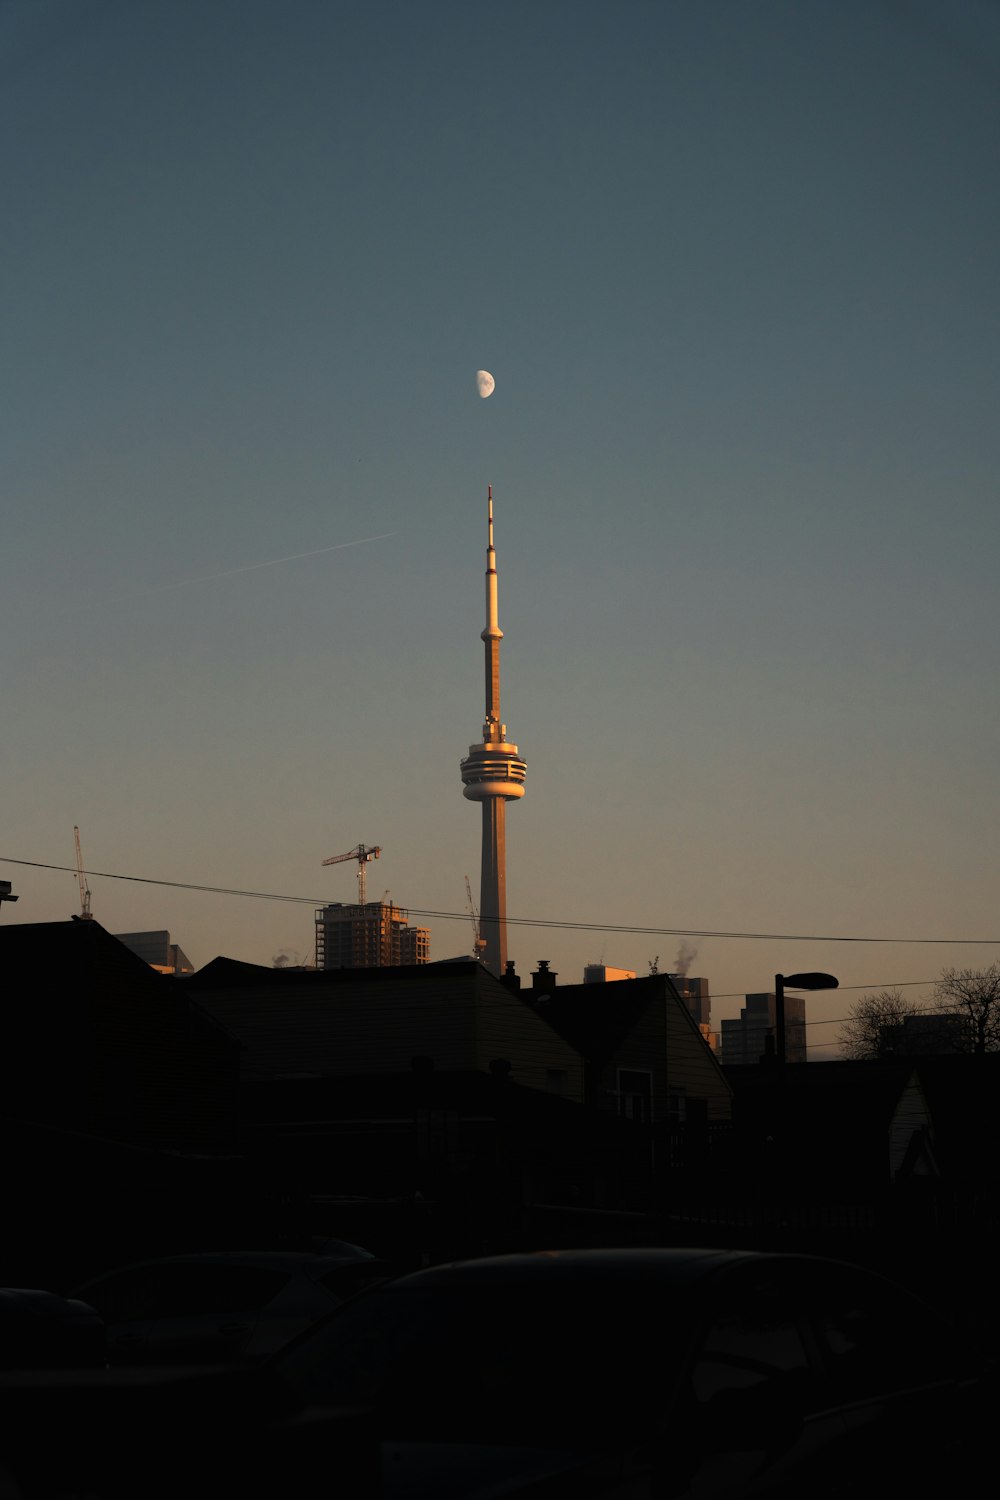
<point x="493" y="774"/>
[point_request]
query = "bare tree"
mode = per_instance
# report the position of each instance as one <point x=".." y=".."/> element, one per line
<point x="862" y="1034"/>
<point x="973" y="995"/>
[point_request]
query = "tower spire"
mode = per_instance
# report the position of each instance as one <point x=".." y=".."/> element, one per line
<point x="492" y="635"/>
<point x="493" y="774"/>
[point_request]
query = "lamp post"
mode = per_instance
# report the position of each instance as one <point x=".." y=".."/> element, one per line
<point x="794" y="982"/>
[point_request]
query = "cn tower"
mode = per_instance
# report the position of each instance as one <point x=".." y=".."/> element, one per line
<point x="493" y="774"/>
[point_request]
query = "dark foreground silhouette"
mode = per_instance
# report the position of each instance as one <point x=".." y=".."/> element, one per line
<point x="612" y="1373"/>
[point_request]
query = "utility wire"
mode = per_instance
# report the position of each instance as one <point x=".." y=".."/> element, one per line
<point x="893" y="984"/>
<point x="463" y="916"/>
<point x="546" y="925"/>
<point x="535" y="922"/>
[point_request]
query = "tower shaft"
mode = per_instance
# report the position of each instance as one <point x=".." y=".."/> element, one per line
<point x="493" y="774"/>
<point x="493" y="885"/>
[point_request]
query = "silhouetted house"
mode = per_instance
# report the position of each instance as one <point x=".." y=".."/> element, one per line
<point x="452" y="1156"/>
<point x="349" y="1022"/>
<point x="962" y="1092"/>
<point x="94" y="1040"/>
<point x="588" y="1074"/>
<point x="644" y="1056"/>
<point x="843" y="1135"/>
<point x="118" y="1099"/>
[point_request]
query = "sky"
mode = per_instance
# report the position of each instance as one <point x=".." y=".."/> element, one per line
<point x="734" y="269"/>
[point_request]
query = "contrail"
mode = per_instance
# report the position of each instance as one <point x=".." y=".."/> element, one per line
<point x="273" y="562"/>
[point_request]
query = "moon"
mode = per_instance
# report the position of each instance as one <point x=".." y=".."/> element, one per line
<point x="485" y="384"/>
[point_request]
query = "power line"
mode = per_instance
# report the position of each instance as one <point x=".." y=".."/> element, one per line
<point x="547" y="925"/>
<point x="874" y="984"/>
<point x="537" y="922"/>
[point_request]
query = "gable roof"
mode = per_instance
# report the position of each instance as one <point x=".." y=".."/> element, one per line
<point x="338" y="1021"/>
<point x="835" y="1119"/>
<point x="847" y="1092"/>
<point x="223" y="973"/>
<point x="83" y="947"/>
<point x="92" y="963"/>
<point x="595" y="1019"/>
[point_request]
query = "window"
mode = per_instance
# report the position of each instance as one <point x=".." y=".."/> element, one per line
<point x="753" y="1382"/>
<point x="635" y="1095"/>
<point x="876" y="1340"/>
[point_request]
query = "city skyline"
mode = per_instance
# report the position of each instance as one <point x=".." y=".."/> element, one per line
<point x="733" y="270"/>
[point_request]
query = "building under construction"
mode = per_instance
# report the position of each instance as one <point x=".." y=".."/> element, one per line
<point x="372" y="935"/>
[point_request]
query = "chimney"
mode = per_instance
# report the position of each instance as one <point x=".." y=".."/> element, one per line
<point x="511" y="979"/>
<point x="541" y="978"/>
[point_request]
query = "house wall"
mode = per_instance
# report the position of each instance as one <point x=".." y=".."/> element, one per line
<point x="164" y="1073"/>
<point x="666" y="1042"/>
<point x="344" y="1030"/>
<point x="460" y="1022"/>
<point x="644" y="1050"/>
<point x="125" y="1057"/>
<point x="692" y="1067"/>
<point x="911" y="1114"/>
<point x="539" y="1058"/>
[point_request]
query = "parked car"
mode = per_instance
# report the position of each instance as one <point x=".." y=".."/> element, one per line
<point x="666" y="1373"/>
<point x="577" y="1375"/>
<point x="40" y="1330"/>
<point x="225" y="1305"/>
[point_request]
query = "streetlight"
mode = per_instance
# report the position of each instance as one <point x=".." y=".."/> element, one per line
<point x="795" y="982"/>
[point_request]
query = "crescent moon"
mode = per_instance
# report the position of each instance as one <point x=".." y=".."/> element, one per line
<point x="485" y="384"/>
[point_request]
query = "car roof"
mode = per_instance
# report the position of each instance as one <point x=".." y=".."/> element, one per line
<point x="686" y="1265"/>
<point x="268" y="1260"/>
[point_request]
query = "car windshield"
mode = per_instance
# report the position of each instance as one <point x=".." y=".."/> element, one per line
<point x="491" y="1364"/>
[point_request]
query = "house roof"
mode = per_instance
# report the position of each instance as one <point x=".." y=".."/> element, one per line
<point x="224" y="973"/>
<point x="92" y="962"/>
<point x="962" y="1091"/>
<point x="849" y="1091"/>
<point x="77" y="945"/>
<point x="833" y="1118"/>
<point x="303" y="1021"/>
<point x="595" y="1019"/>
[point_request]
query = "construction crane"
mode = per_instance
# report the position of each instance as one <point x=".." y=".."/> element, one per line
<point x="364" y="855"/>
<point x="85" y="912"/>
<point x="478" y="943"/>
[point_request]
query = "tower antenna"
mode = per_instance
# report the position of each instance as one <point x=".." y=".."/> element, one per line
<point x="493" y="774"/>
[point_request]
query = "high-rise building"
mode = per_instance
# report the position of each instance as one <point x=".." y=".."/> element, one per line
<point x="604" y="974"/>
<point x="156" y="949"/>
<point x="694" y="993"/>
<point x="493" y="774"/>
<point x="745" y="1040"/>
<point x="376" y="935"/>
